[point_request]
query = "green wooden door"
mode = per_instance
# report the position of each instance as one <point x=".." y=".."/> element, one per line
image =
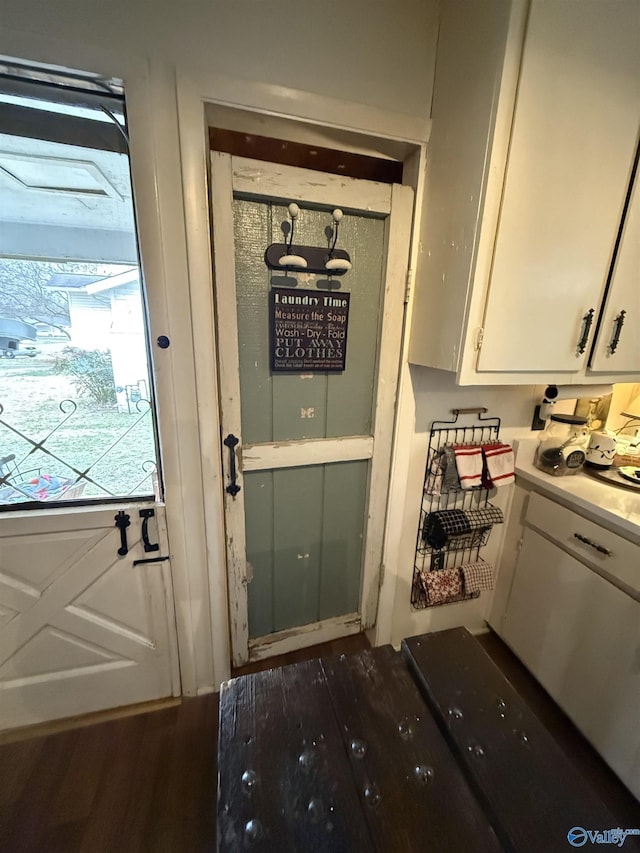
<point x="305" y="525"/>
<point x="301" y="528"/>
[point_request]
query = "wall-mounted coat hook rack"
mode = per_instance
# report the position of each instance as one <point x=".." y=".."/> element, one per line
<point x="313" y="259"/>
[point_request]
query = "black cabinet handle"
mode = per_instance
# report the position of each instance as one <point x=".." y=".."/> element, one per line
<point x="231" y="442"/>
<point x="587" y="321"/>
<point x="599" y="548"/>
<point x="618" y="323"/>
<point x="122" y="522"/>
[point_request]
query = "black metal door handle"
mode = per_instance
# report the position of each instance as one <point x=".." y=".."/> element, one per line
<point x="145" y="515"/>
<point x="122" y="522"/>
<point x="231" y="442"/>
<point x="587" y="320"/>
<point x="618" y="323"/>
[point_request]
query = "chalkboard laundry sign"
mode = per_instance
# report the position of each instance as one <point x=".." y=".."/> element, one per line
<point x="308" y="330"/>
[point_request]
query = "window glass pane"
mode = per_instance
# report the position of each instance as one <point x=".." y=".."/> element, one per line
<point x="76" y="416"/>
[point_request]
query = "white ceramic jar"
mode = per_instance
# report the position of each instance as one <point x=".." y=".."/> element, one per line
<point x="602" y="449"/>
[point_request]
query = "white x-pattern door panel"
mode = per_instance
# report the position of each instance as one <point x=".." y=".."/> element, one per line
<point x="82" y="628"/>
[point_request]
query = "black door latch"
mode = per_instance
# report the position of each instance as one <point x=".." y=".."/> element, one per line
<point x="231" y="442"/>
<point x="122" y="522"/>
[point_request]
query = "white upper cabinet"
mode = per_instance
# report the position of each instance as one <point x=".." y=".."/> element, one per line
<point x="572" y="146"/>
<point x="535" y="129"/>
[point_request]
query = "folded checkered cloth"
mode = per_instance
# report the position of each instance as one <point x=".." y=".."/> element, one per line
<point x="442" y="524"/>
<point x="445" y="524"/>
<point x="442" y="586"/>
<point x="477" y="576"/>
<point x="485" y="516"/>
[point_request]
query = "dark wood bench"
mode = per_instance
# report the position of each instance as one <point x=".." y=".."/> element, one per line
<point x="430" y="749"/>
<point x="529" y="789"/>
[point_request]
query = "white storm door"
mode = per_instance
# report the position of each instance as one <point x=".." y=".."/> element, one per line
<point x="81" y="627"/>
<point x="305" y="531"/>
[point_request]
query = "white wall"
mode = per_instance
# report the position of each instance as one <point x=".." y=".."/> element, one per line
<point x="376" y="52"/>
<point x="430" y="395"/>
<point x="623" y="394"/>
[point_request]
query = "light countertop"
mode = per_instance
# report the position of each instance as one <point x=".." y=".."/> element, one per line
<point x="615" y="508"/>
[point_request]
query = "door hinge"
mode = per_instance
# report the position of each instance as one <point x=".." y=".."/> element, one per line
<point x="381" y="576"/>
<point x="409" y="285"/>
<point x="479" y="338"/>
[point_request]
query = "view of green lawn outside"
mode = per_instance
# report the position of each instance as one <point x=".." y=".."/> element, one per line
<point x="67" y="429"/>
<point x="31" y="394"/>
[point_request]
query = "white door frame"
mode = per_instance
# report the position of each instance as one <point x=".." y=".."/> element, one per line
<point x="394" y="202"/>
<point x="196" y="89"/>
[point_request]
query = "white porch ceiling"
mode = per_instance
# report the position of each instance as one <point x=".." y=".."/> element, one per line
<point x="64" y="202"/>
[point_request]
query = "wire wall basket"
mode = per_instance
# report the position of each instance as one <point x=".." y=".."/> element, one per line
<point x="459" y="549"/>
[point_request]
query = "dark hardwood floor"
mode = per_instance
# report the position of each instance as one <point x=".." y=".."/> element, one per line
<point x="142" y="783"/>
<point x="139" y="783"/>
<point x="148" y="782"/>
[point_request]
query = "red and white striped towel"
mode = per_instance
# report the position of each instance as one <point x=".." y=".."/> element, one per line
<point x="469" y="464"/>
<point x="500" y="462"/>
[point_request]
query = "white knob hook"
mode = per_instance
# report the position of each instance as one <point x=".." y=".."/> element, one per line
<point x="294" y="210"/>
<point x="337" y="218"/>
<point x="336" y="264"/>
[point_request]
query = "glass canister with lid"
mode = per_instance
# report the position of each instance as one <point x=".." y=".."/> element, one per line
<point x="563" y="445"/>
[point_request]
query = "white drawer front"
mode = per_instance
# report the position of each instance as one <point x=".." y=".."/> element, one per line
<point x="608" y="553"/>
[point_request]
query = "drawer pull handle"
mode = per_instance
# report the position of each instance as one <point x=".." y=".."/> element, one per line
<point x="599" y="548"/>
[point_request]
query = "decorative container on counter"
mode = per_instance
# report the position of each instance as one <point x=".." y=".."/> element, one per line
<point x="602" y="449"/>
<point x="563" y="446"/>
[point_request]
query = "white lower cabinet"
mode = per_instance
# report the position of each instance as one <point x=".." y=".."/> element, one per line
<point x="580" y="637"/>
